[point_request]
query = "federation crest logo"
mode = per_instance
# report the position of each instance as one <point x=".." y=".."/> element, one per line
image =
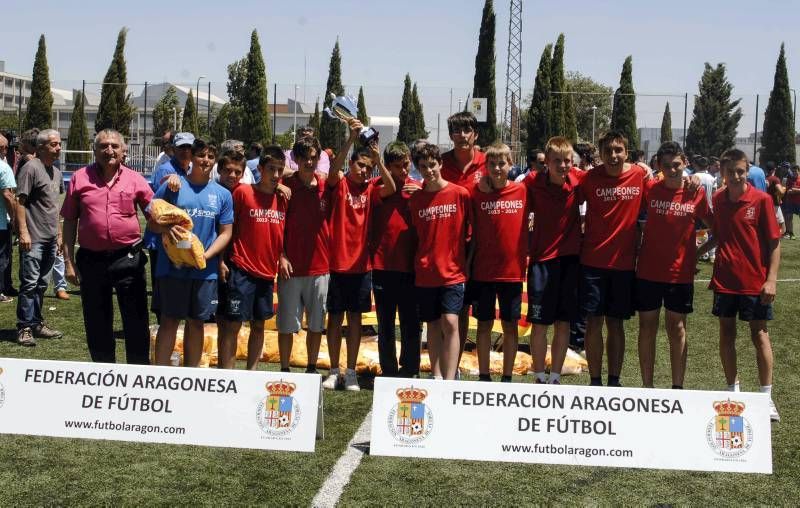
<point x="278" y="413"/>
<point x="410" y="420"/>
<point x="729" y="433"/>
<point x="750" y="213"/>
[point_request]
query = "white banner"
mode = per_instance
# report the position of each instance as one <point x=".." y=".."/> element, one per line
<point x="575" y="425"/>
<point x="479" y="107"/>
<point x="230" y="408"/>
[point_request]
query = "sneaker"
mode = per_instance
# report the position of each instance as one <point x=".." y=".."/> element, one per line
<point x="42" y="331"/>
<point x="350" y="381"/>
<point x="5" y="299"/>
<point x="25" y="337"/>
<point x="773" y="412"/>
<point x="62" y="295"/>
<point x="331" y="381"/>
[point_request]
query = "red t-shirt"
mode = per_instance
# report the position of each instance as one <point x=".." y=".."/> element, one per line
<point x="440" y="219"/>
<point x="793" y="183"/>
<point x="259" y="219"/>
<point x="669" y="244"/>
<point x="393" y="239"/>
<point x="613" y="204"/>
<point x="307" y="234"/>
<point x="469" y="178"/>
<point x="556" y="219"/>
<point x="349" y="226"/>
<point x="743" y="229"/>
<point x="500" y="234"/>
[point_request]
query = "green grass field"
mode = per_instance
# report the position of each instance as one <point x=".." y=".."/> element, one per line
<point x="55" y="471"/>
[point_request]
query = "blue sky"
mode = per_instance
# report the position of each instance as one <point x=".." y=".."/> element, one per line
<point x="434" y="40"/>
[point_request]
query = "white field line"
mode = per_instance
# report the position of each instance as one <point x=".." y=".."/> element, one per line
<point x="328" y="495"/>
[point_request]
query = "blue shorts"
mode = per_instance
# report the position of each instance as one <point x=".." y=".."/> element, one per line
<point x="748" y="307"/>
<point x="651" y="295"/>
<point x="187" y="298"/>
<point x="790" y="208"/>
<point x="349" y="292"/>
<point x="433" y="302"/>
<point x="553" y="290"/>
<point x="509" y="294"/>
<point x="247" y="298"/>
<point x="605" y="292"/>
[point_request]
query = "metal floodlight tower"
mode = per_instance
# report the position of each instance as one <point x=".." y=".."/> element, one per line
<point x="510" y="133"/>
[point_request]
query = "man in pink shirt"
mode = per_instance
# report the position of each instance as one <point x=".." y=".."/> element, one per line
<point x="101" y="208"/>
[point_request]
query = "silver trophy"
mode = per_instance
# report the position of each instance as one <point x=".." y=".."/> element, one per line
<point x="344" y="108"/>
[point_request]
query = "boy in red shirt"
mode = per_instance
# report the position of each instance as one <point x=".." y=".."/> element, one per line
<point x="440" y="213"/>
<point x="745" y="269"/>
<point x="351" y="283"/>
<point x="613" y="193"/>
<point x="392" y="247"/>
<point x="499" y="238"/>
<point x="553" y="249"/>
<point x="249" y="275"/>
<point x="667" y="259"/>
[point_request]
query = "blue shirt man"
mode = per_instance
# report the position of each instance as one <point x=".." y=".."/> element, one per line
<point x="757" y="178"/>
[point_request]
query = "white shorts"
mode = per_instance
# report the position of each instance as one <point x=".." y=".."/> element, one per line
<point x="298" y="293"/>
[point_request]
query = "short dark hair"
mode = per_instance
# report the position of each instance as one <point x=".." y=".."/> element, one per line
<point x="302" y="129"/>
<point x="231" y="156"/>
<point x="461" y="120"/>
<point x="361" y="151"/>
<point x="733" y="155"/>
<point x="611" y="136"/>
<point x="201" y="144"/>
<point x="427" y="151"/>
<point x="271" y="153"/>
<point x="671" y="148"/>
<point x="585" y="150"/>
<point x="28" y="137"/>
<point x="395" y="151"/>
<point x="533" y="155"/>
<point x="303" y="146"/>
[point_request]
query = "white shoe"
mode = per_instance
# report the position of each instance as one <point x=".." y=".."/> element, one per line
<point x="331" y="381"/>
<point x="773" y="412"/>
<point x="350" y="381"/>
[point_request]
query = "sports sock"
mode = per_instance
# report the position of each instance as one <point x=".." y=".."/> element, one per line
<point x="734" y="387"/>
<point x="484" y="377"/>
<point x="595" y="381"/>
<point x="766" y="389"/>
<point x="541" y="376"/>
<point x="613" y="381"/>
<point x="555" y="378"/>
<point x="505" y="379"/>
<point x="677" y="387"/>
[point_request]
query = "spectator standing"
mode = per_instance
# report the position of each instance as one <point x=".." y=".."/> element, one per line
<point x="7" y="209"/>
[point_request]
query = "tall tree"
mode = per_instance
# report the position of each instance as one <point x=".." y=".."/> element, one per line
<point x="537" y="123"/>
<point x="623" y="117"/>
<point x="419" y="124"/>
<point x="237" y="75"/>
<point x="115" y="110"/>
<point x="715" y="117"/>
<point x="189" y="122"/>
<point x="40" y="104"/>
<point x="483" y="83"/>
<point x="590" y="99"/>
<point x="255" y="115"/>
<point x="164" y="114"/>
<point x="78" y="135"/>
<point x="666" y="125"/>
<point x="332" y="131"/>
<point x="778" y="137"/>
<point x="363" y="117"/>
<point x="407" y="131"/>
<point x="570" y="122"/>
<point x="314" y="121"/>
<point x="220" y="124"/>
<point x="558" y="101"/>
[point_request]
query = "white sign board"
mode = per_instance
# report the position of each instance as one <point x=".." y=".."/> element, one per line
<point x="479" y="108"/>
<point x="574" y="425"/>
<point x="230" y="408"/>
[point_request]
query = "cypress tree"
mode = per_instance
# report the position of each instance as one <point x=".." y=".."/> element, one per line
<point x="558" y="101"/>
<point x="623" y="117"/>
<point x="314" y="120"/>
<point x="237" y="74"/>
<point x="255" y="115"/>
<point x="666" y="125"/>
<point x="163" y="113"/>
<point x="777" y="139"/>
<point x="419" y="124"/>
<point x="39" y="114"/>
<point x="538" y="118"/>
<point x="332" y="131"/>
<point x="483" y="84"/>
<point x="115" y="110"/>
<point x="408" y="116"/>
<point x="189" y="123"/>
<point x="570" y="122"/>
<point x="715" y="117"/>
<point x="220" y="125"/>
<point x="362" y="107"/>
<point x="78" y="135"/>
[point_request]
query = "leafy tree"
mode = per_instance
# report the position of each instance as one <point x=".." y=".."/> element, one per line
<point x="9" y="121"/>
<point x="483" y="83"/>
<point x="570" y="122"/>
<point x="778" y="137"/>
<point x="623" y="117"/>
<point x="537" y="123"/>
<point x="588" y="94"/>
<point x="189" y="122"/>
<point x="315" y="119"/>
<point x="285" y="140"/>
<point x="116" y="109"/>
<point x="407" y="130"/>
<point x="255" y="114"/>
<point x="164" y="114"/>
<point x="332" y="131"/>
<point x="666" y="125"/>
<point x="237" y="75"/>
<point x="362" y="107"/>
<point x="220" y="124"/>
<point x="40" y="104"/>
<point x="715" y="117"/>
<point x="558" y="100"/>
<point x="78" y="135"/>
<point x="419" y="124"/>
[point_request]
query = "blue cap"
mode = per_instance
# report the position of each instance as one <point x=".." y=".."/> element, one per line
<point x="183" y="138"/>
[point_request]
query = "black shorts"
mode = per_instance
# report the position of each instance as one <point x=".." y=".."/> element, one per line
<point x="605" y="292"/>
<point x="553" y="290"/>
<point x="350" y="292"/>
<point x="651" y="295"/>
<point x="188" y="298"/>
<point x="509" y="294"/>
<point x="748" y="307"/>
<point x="247" y="298"/>
<point x="433" y="302"/>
